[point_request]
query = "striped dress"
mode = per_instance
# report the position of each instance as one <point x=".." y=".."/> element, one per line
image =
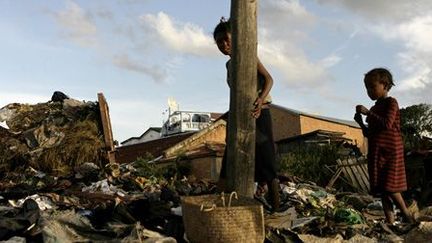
<point x="386" y="152"/>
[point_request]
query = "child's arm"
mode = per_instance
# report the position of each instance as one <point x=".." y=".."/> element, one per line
<point x="265" y="91"/>
<point x="268" y="80"/>
<point x="387" y="120"/>
<point x="228" y="73"/>
<point x="358" y="118"/>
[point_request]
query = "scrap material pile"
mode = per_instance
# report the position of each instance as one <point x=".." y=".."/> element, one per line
<point x="314" y="214"/>
<point x="52" y="137"/>
<point x="54" y="187"/>
<point x="116" y="203"/>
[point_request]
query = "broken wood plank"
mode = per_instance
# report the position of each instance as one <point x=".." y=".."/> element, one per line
<point x="107" y="128"/>
<point x="354" y="173"/>
<point x="348" y="173"/>
<point x="364" y="167"/>
<point x="334" y="171"/>
<point x="364" y="174"/>
<point x="358" y="175"/>
<point x="334" y="177"/>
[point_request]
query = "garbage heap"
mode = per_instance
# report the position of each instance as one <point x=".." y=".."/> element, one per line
<point x="317" y="214"/>
<point x="137" y="203"/>
<point x="53" y="188"/>
<point x="51" y="137"/>
<point x="133" y="202"/>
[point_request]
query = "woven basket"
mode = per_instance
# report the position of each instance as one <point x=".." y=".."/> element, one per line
<point x="207" y="219"/>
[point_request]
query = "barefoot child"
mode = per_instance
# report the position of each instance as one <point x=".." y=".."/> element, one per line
<point x="385" y="147"/>
<point x="265" y="164"/>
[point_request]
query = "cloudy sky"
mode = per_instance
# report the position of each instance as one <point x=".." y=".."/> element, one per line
<point x="141" y="52"/>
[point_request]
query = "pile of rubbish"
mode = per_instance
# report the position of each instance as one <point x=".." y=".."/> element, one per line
<point x="115" y="203"/>
<point x="127" y="203"/>
<point x="55" y="187"/>
<point x="314" y="214"/>
<point x="52" y="137"/>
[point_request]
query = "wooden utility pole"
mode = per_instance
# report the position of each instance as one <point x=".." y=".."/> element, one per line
<point x="241" y="124"/>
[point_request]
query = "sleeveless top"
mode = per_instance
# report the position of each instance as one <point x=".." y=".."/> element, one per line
<point x="260" y="83"/>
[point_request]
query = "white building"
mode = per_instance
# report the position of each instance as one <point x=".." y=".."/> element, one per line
<point x="187" y="121"/>
<point x="151" y="134"/>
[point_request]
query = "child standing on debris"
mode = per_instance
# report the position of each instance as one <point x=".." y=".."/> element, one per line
<point x="265" y="162"/>
<point x="385" y="147"/>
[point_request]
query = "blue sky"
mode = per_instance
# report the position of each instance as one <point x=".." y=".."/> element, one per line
<point x="141" y="52"/>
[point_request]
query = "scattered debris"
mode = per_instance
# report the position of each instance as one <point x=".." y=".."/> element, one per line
<point x="52" y="137"/>
<point x="57" y="186"/>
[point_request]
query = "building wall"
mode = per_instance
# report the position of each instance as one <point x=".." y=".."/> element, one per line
<point x="212" y="134"/>
<point x="206" y="168"/>
<point x="216" y="135"/>
<point x="310" y="124"/>
<point x="285" y="124"/>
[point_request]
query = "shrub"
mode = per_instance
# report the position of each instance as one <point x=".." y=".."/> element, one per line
<point x="308" y="162"/>
<point x="168" y="172"/>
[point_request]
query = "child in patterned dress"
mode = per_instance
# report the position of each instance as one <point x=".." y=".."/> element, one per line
<point x="385" y="146"/>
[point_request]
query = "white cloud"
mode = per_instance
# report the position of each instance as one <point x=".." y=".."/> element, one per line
<point x="157" y="73"/>
<point x="78" y="25"/>
<point x="283" y="35"/>
<point x="407" y="23"/>
<point x="416" y="59"/>
<point x="414" y="33"/>
<point x="185" y="38"/>
<point x="292" y="63"/>
<point x="418" y="33"/>
<point x="414" y="96"/>
<point x="418" y="72"/>
<point x="384" y="10"/>
<point x="281" y="49"/>
<point x="284" y="19"/>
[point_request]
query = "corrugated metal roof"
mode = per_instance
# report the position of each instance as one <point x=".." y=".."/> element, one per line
<point x="325" y="118"/>
<point x="317" y="133"/>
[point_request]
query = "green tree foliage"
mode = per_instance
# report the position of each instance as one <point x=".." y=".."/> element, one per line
<point x="416" y="121"/>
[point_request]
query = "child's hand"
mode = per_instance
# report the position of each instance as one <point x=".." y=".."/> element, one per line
<point x="256" y="112"/>
<point x="361" y="109"/>
<point x="358" y="118"/>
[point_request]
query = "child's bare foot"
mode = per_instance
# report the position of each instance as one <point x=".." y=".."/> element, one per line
<point x="409" y="219"/>
<point x="261" y="190"/>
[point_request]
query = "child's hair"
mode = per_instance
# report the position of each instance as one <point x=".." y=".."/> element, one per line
<point x="224" y="26"/>
<point x="381" y="75"/>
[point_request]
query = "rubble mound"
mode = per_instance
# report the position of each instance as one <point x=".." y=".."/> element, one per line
<point x="53" y="137"/>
